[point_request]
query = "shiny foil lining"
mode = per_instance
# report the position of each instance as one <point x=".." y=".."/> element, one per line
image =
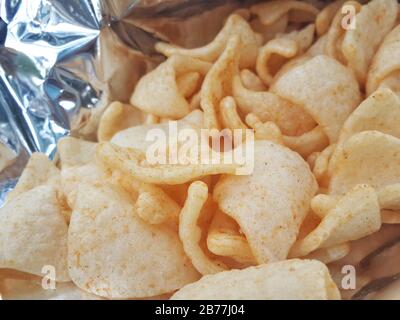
<point x="58" y="67"/>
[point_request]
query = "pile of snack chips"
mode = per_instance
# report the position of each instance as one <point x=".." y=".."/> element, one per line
<point x="319" y="90"/>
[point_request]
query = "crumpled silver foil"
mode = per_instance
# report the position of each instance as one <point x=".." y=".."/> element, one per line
<point x="62" y="62"/>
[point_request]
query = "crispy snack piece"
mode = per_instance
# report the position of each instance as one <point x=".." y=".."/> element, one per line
<point x="188" y="83"/>
<point x="118" y="116"/>
<point x="33" y="233"/>
<point x="389" y="197"/>
<point x="21" y="286"/>
<point x="218" y="82"/>
<point x="290" y="118"/>
<point x="72" y="177"/>
<point x="307" y="143"/>
<point x="141" y="137"/>
<point x="77" y="159"/>
<point x="271" y="11"/>
<point x="270" y="31"/>
<point x="337" y="31"/>
<point x="386" y="62"/>
<point x="355" y="215"/>
<point x="75" y="152"/>
<point x="264" y="131"/>
<point x="380" y="112"/>
<point x="304" y="144"/>
<point x="326" y="15"/>
<point x="161" y="91"/>
<point x="270" y="204"/>
<point x="154" y="206"/>
<point x="224" y="239"/>
<point x="369" y="157"/>
<point x="324" y="88"/>
<point x="251" y="81"/>
<point x="38" y="171"/>
<point x="190" y="232"/>
<point x="132" y="162"/>
<point x="229" y="115"/>
<point x="373" y="23"/>
<point x="321" y="166"/>
<point x="331" y="254"/>
<point x="290" y="280"/>
<point x="235" y="25"/>
<point x="276" y="52"/>
<point x="113" y="253"/>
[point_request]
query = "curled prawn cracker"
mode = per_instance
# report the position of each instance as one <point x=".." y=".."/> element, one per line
<point x="273" y="55"/>
<point x="39" y="170"/>
<point x="154" y="206"/>
<point x="326" y="15"/>
<point x="291" y="279"/>
<point x="270" y="204"/>
<point x="303" y="37"/>
<point x="144" y="136"/>
<point x="233" y="246"/>
<point x="194" y="118"/>
<point x="321" y="204"/>
<point x="190" y="233"/>
<point x="324" y="88"/>
<point x="392" y="82"/>
<point x="195" y="101"/>
<point x="321" y="166"/>
<point x="116" y="117"/>
<point x="235" y="25"/>
<point x="373" y="22"/>
<point x="356" y="215"/>
<point x="158" y="92"/>
<point x="385" y="62"/>
<point x="307" y="143"/>
<point x="331" y="254"/>
<point x="389" y="197"/>
<point x="149" y="261"/>
<point x="317" y="48"/>
<point x="264" y="131"/>
<point x="269" y="32"/>
<point x="224" y="239"/>
<point x="290" y="118"/>
<point x="312" y="158"/>
<point x="72" y="177"/>
<point x="271" y="11"/>
<point x="33" y="233"/>
<point x="251" y="81"/>
<point x="336" y="33"/>
<point x="188" y="83"/>
<point x="75" y="152"/>
<point x="229" y="115"/>
<point x="132" y="162"/>
<point x="277" y="51"/>
<point x="218" y="82"/>
<point x="368" y="157"/>
<point x="380" y="112"/>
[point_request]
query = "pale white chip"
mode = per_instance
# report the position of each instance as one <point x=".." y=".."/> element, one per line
<point x="324" y="88"/>
<point x="285" y="280"/>
<point x="114" y="254"/>
<point x="270" y="204"/>
<point x="33" y="234"/>
<point x="235" y="25"/>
